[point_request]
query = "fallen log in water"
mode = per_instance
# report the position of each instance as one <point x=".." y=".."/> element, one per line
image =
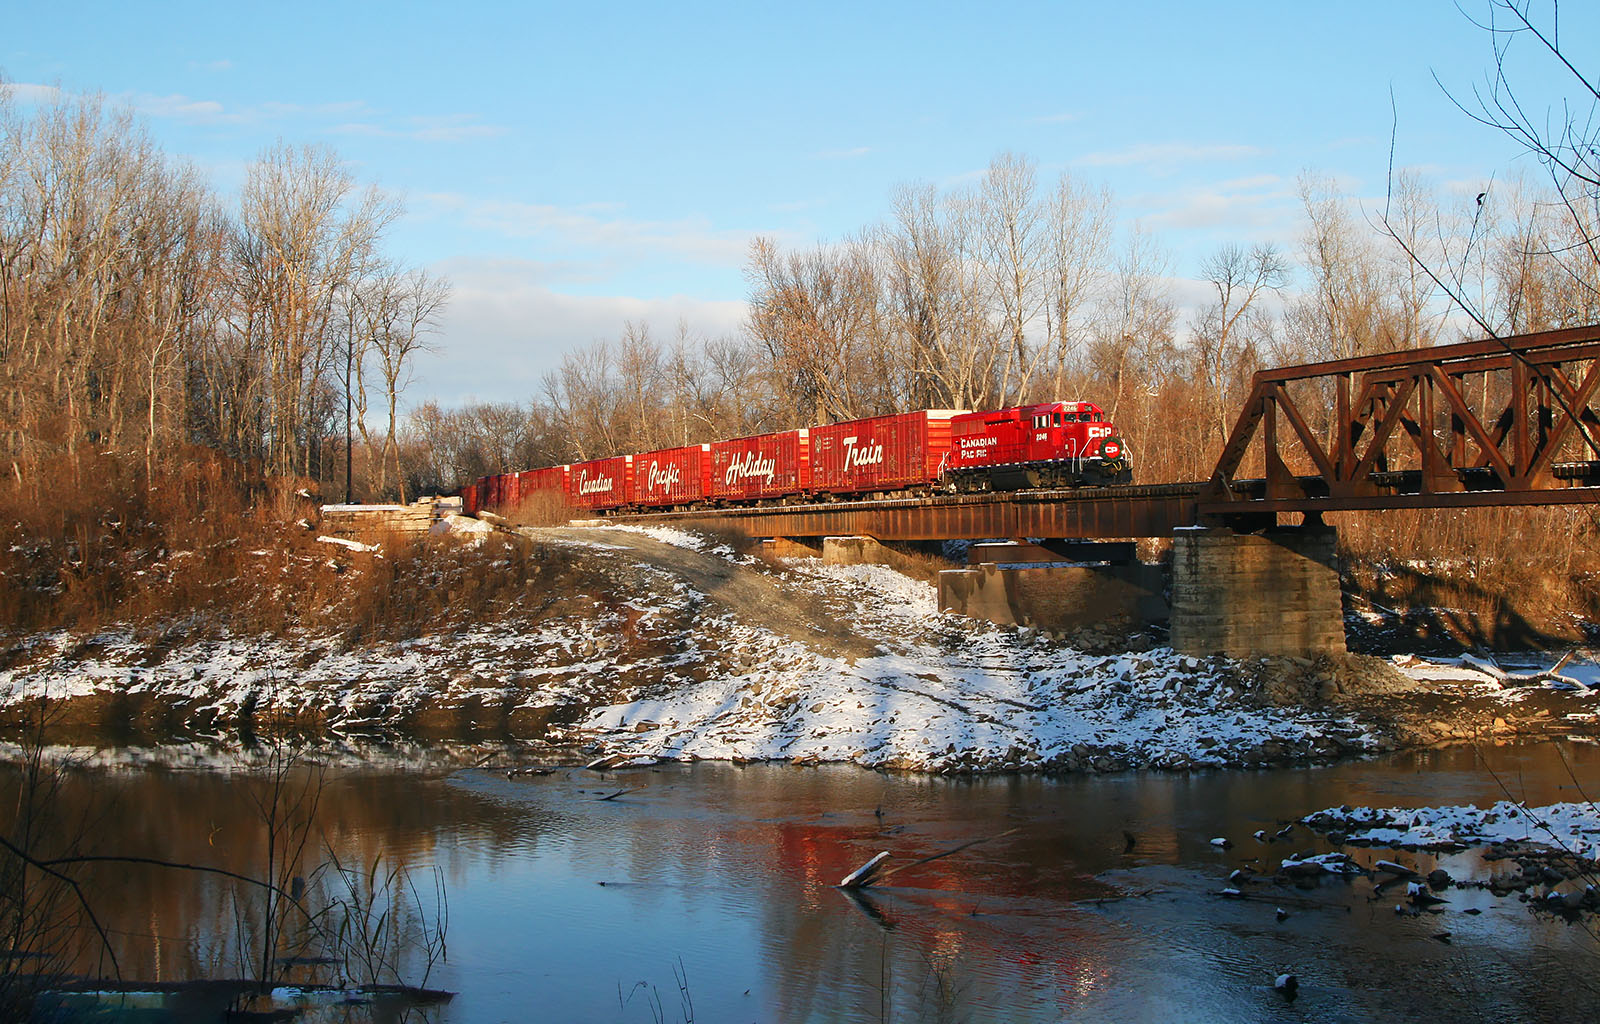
<point x="869" y="872"/>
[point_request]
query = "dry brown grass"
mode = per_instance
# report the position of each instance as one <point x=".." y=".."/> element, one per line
<point x="213" y="545"/>
<point x="95" y="537"/>
<point x="1496" y="577"/>
<point x="543" y="509"/>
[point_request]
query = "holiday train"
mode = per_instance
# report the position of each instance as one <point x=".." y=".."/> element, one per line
<point x="930" y="451"/>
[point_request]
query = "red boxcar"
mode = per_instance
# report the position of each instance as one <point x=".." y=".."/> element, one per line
<point x="472" y="498"/>
<point x="603" y="483"/>
<point x="671" y="476"/>
<point x="493" y="491"/>
<point x="764" y="466"/>
<point x="884" y="453"/>
<point x="540" y="484"/>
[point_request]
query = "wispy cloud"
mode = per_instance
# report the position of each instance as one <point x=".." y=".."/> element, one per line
<point x="797" y="205"/>
<point x="29" y="92"/>
<point x="1165" y="157"/>
<point x="1262" y="203"/>
<point x="1253" y="181"/>
<point x="593" y="226"/>
<point x="211" y="65"/>
<point x="201" y="111"/>
<point x="843" y="154"/>
<point x="339" y="117"/>
<point x="1055" y="118"/>
<point x="180" y="107"/>
<point x="441" y="128"/>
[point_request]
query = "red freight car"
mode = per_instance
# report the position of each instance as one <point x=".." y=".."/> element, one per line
<point x="762" y="467"/>
<point x="493" y="491"/>
<point x="1050" y="445"/>
<point x="472" y="498"/>
<point x="545" y="487"/>
<point x="671" y="476"/>
<point x="884" y="453"/>
<point x="603" y="483"/>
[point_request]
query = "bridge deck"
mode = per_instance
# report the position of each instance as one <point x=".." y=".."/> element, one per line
<point x="1089" y="512"/>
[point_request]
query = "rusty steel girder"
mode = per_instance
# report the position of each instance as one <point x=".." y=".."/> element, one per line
<point x="1083" y="513"/>
<point x="1503" y="421"/>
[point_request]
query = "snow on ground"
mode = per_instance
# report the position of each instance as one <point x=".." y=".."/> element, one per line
<point x="1578" y="672"/>
<point x="943" y="692"/>
<point x="658" y="670"/>
<point x="1573" y="827"/>
<point x="463" y="526"/>
<point x="669" y="535"/>
<point x="353" y="545"/>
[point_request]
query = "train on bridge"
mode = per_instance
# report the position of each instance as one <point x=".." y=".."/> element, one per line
<point x="930" y="451"/>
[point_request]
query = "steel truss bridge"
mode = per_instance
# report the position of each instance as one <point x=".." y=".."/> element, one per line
<point x="1498" y="422"/>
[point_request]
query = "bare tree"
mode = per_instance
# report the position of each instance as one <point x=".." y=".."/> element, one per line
<point x="816" y="315"/>
<point x="396" y="312"/>
<point x="934" y="297"/>
<point x="1012" y="239"/>
<point x="1349" y="308"/>
<point x="1079" y="225"/>
<point x="305" y="233"/>
<point x="1139" y="325"/>
<point x="1223" y="349"/>
<point x="1565" y="144"/>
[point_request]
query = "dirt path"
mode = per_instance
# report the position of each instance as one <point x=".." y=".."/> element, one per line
<point x="751" y="591"/>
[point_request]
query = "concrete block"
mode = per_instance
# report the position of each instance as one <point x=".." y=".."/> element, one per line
<point x="1248" y="595"/>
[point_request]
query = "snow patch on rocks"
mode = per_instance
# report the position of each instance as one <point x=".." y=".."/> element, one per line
<point x="1573" y="827"/>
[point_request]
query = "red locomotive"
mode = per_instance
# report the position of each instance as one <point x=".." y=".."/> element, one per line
<point x="1056" y="444"/>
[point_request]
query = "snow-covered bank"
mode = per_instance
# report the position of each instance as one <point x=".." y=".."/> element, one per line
<point x="1572" y="828"/>
<point x="669" y="645"/>
<point x="946" y="693"/>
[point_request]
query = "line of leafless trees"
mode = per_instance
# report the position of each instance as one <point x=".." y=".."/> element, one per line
<point x="140" y="314"/>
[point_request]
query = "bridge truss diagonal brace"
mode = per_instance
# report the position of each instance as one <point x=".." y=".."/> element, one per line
<point x="1411" y="427"/>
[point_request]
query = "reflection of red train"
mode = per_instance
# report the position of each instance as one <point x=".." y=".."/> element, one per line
<point x="1057" y="444"/>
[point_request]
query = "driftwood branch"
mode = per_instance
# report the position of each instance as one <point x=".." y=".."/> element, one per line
<point x="77" y="891"/>
<point x="868" y="873"/>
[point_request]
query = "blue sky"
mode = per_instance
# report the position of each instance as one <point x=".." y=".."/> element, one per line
<point x="571" y="166"/>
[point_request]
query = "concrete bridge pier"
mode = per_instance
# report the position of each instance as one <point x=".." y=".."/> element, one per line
<point x="1251" y="595"/>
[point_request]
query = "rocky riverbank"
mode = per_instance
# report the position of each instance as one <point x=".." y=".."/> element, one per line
<point x="665" y="645"/>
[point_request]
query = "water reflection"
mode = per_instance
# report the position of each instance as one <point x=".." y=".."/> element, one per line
<point x="568" y="906"/>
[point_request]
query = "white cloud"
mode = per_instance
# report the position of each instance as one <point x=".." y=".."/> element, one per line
<point x="506" y="327"/>
<point x="1251" y="181"/>
<point x="440" y="128"/>
<point x="1165" y="157"/>
<point x="180" y="107"/>
<point x="31" y="93"/>
<point x="1263" y="204"/>
<point x="350" y="117"/>
<point x="200" y="111"/>
<point x="692" y="238"/>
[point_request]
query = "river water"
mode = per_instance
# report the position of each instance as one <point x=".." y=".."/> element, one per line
<point x="706" y="892"/>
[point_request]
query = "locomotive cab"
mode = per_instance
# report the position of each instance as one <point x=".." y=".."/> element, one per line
<point x="1053" y="444"/>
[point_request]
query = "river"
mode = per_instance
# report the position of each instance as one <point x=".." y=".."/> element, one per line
<point x="706" y="892"/>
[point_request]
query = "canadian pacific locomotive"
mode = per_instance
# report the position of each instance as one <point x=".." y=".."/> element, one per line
<point x="931" y="451"/>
